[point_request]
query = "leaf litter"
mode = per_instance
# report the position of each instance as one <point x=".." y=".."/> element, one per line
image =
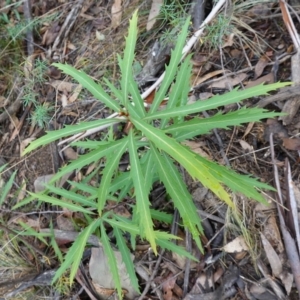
<point x="233" y="272"/>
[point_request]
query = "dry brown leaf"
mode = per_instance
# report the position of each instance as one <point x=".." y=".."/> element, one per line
<point x="291" y="144"/>
<point x="101" y="274"/>
<point x="207" y="76"/>
<point x="25" y="143"/>
<point x="23" y="191"/>
<point x="229" y="82"/>
<point x="246" y="146"/>
<point x="272" y="234"/>
<point x="39" y="183"/>
<point x="235" y="53"/>
<point x="51" y="34"/>
<point x="3" y="101"/>
<point x="228" y="40"/>
<point x="167" y="286"/>
<point x="237" y="245"/>
<point x="63" y="86"/>
<point x="290" y="107"/>
<point x="154" y="11"/>
<point x="260" y="66"/>
<point x="116" y="14"/>
<point x="248" y="129"/>
<point x="278" y="130"/>
<point x="64" y="102"/>
<point x="272" y="256"/>
<point x="65" y="223"/>
<point x="269" y="78"/>
<point x="70" y="153"/>
<point x="255" y="11"/>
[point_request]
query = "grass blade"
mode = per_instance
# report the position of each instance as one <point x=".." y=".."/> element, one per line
<point x="5" y="190"/>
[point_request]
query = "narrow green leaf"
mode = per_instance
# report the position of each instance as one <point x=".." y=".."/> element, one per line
<point x="112" y="163"/>
<point x="90" y="144"/>
<point x="171" y="68"/>
<point x="74" y="255"/>
<point x="142" y="200"/>
<point x="185" y="157"/>
<point x="86" y="159"/>
<point x="122" y="183"/>
<point x="58" y="202"/>
<point x="117" y="93"/>
<point x="52" y="136"/>
<point x="6" y="188"/>
<point x="181" y="197"/>
<point x="234" y="96"/>
<point x="149" y="170"/>
<point x="87" y="82"/>
<point x="175" y="248"/>
<point x="127" y="61"/>
<point x="84" y="187"/>
<point x="54" y="244"/>
<point x="2" y="168"/>
<point x="197" y="126"/>
<point x="124" y="224"/>
<point x="112" y="262"/>
<point x="137" y="99"/>
<point x="25" y="201"/>
<point x="29" y="231"/>
<point x="69" y="195"/>
<point x="236" y="182"/>
<point x="126" y="258"/>
<point x="161" y="216"/>
<point x="180" y="90"/>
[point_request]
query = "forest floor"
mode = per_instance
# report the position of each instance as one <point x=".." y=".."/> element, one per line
<point x="245" y="44"/>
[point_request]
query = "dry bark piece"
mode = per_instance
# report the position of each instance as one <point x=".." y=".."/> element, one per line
<point x="154" y="12"/>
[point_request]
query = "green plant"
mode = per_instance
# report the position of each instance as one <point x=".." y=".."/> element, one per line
<point x="155" y="151"/>
<point x="173" y="14"/>
<point x="216" y="31"/>
<point x="40" y="116"/>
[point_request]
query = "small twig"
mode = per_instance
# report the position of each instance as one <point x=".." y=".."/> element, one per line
<point x="29" y="35"/>
<point x="221" y="146"/>
<point x="188" y="247"/>
<point x="68" y="24"/>
<point x="150" y="281"/>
